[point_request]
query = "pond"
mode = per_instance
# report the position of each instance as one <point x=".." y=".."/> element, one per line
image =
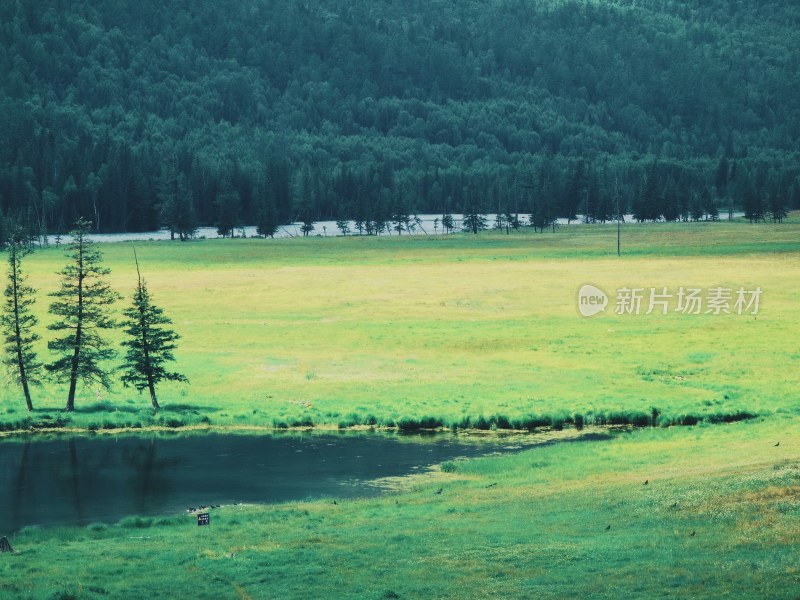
<point x="80" y="480"/>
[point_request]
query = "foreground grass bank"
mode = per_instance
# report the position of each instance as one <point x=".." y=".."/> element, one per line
<point x="470" y="331"/>
<point x="718" y="518"/>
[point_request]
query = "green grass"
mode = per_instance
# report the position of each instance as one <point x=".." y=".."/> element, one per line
<point x="476" y="331"/>
<point x="341" y="331"/>
<point x="530" y="525"/>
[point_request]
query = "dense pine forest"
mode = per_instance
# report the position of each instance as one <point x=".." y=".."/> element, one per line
<point x="177" y="113"/>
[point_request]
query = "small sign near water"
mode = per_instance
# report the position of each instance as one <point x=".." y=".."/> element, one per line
<point x="203" y="519"/>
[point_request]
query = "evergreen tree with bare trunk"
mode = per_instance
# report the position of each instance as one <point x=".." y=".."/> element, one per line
<point x="83" y="303"/>
<point x="18" y="323"/>
<point x="150" y="345"/>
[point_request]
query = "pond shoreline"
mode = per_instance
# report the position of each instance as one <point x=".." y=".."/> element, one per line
<point x="333" y="428"/>
<point x="266" y="429"/>
<point x="565" y="432"/>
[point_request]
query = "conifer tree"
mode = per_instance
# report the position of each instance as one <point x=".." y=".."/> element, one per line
<point x="344" y="226"/>
<point x="18" y="323"/>
<point x="82" y="303"/>
<point x="752" y="203"/>
<point x="3" y="231"/>
<point x="574" y="193"/>
<point x="150" y="344"/>
<point x="473" y="220"/>
<point x="777" y="205"/>
<point x="267" y="216"/>
<point x="168" y="195"/>
<point x="185" y="216"/>
<point x="228" y="204"/>
<point x="304" y="201"/>
<point x="447" y="223"/>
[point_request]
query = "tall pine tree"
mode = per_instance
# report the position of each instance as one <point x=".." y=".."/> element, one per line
<point x="185" y="217"/>
<point x="168" y="195"/>
<point x="304" y="201"/>
<point x="82" y="302"/>
<point x="150" y="345"/>
<point x="267" y="214"/>
<point x="229" y="207"/>
<point x="3" y="230"/>
<point x="17" y="323"/>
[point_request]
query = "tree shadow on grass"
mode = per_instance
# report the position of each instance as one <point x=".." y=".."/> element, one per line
<point x="98" y="407"/>
<point x="188" y="408"/>
<point x="108" y="407"/>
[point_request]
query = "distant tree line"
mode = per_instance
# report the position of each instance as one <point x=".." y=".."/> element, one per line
<point x="82" y="310"/>
<point x="140" y="115"/>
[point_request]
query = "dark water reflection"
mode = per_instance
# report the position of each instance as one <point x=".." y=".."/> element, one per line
<point x="85" y="479"/>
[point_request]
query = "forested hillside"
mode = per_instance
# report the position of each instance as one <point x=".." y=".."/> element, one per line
<point x="181" y="112"/>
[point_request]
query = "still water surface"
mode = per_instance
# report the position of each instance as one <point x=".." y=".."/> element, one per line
<point x="79" y="480"/>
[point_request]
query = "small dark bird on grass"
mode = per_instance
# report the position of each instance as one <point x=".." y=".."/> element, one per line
<point x="646" y="481"/>
<point x="608" y="527"/>
<point x="674" y="505"/>
<point x="440" y="490"/>
<point x="778" y="444"/>
<point x="334" y="503"/>
<point x="694" y="533"/>
<point x="491" y="485"/>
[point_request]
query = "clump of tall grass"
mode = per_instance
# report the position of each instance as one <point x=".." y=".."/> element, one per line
<point x="407" y="424"/>
<point x="29" y="423"/>
<point x="305" y="421"/>
<point x="558" y="421"/>
<point x="136" y="522"/>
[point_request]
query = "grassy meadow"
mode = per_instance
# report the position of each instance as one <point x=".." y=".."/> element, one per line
<point x="719" y="518"/>
<point x="454" y="331"/>
<point x="461" y="331"/>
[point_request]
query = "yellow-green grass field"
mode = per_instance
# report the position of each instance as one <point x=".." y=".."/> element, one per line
<point x="719" y="518"/>
<point x="342" y="331"/>
<point x="435" y="331"/>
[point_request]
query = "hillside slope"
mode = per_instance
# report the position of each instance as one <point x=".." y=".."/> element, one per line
<point x="335" y="108"/>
